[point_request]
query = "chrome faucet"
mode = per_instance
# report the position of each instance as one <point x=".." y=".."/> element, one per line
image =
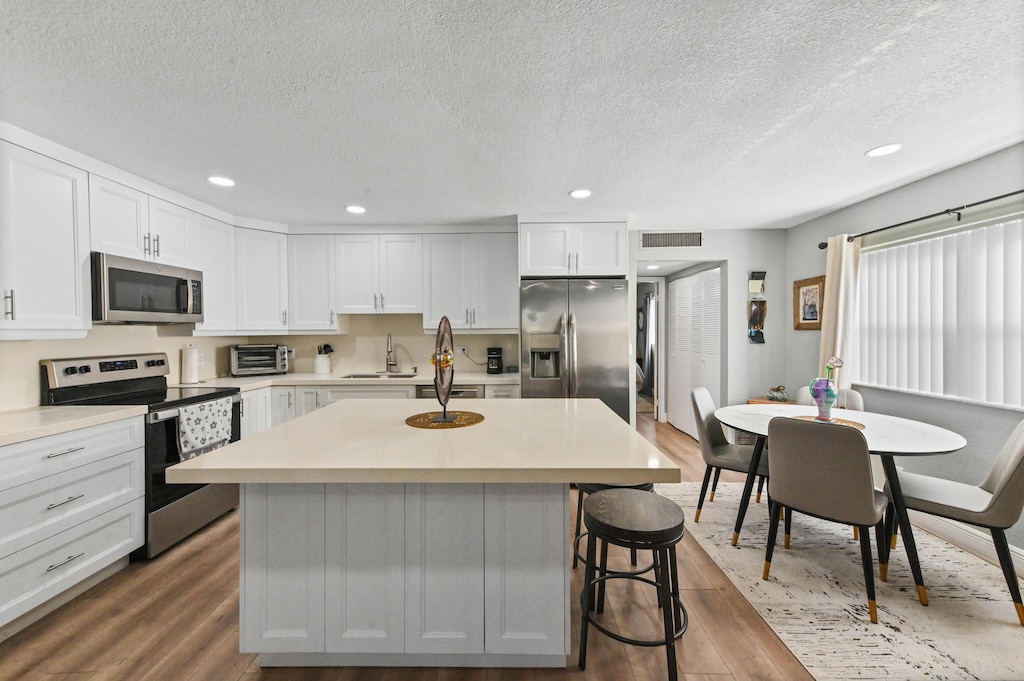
<point x="391" y="363"/>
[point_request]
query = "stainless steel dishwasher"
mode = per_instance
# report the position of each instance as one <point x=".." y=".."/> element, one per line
<point x="459" y="392"/>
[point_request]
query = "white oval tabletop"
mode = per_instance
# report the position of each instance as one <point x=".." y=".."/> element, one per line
<point x="885" y="434"/>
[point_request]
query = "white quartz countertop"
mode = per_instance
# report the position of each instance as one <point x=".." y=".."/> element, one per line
<point x="363" y="440"/>
<point x="246" y="383"/>
<point x="30" y="423"/>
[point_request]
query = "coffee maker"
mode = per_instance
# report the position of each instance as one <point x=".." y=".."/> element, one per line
<point x="494" y="363"/>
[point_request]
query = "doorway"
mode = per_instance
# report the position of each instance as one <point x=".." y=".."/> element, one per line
<point x="648" y="363"/>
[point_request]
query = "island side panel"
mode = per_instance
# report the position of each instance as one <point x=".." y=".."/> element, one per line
<point x="282" y="572"/>
<point x="526" y="556"/>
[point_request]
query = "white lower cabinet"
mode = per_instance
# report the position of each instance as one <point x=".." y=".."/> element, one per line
<point x="282" y="405"/>
<point x="444" y="581"/>
<point x="428" y="571"/>
<point x="282" y="587"/>
<point x="499" y="392"/>
<point x="256" y="411"/>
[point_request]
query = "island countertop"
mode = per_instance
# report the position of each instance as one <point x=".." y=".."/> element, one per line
<point x="367" y="441"/>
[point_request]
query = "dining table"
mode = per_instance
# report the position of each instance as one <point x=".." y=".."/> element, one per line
<point x="887" y="437"/>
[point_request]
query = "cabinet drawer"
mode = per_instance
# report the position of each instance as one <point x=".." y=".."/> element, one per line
<point x="27" y="461"/>
<point x="34" y="575"/>
<point x="31" y="512"/>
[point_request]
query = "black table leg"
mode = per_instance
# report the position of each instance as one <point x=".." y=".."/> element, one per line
<point x="748" y="486"/>
<point x="903" y="518"/>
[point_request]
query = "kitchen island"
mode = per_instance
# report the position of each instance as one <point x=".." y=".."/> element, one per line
<point x="369" y="542"/>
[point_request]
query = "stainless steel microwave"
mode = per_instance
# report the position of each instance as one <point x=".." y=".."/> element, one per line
<point x="252" y="360"/>
<point x="128" y="291"/>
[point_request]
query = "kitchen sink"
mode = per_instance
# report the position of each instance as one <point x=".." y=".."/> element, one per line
<point x="379" y="375"/>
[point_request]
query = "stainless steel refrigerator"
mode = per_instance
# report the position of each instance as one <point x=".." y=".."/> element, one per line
<point x="574" y="340"/>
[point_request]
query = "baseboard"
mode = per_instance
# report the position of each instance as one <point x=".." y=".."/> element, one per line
<point x="969" y="538"/>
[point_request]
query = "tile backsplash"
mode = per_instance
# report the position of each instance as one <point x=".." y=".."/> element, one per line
<point x="362" y="349"/>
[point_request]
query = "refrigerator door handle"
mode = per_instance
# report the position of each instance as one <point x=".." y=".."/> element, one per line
<point x="575" y="364"/>
<point x="563" y="359"/>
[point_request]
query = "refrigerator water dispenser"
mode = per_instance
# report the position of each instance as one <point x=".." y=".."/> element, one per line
<point x="545" y="351"/>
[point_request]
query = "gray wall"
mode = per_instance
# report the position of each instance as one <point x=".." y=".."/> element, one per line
<point x="985" y="428"/>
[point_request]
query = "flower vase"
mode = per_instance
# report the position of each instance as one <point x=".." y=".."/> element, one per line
<point x="823" y="390"/>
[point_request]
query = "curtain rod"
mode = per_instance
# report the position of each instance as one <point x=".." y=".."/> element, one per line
<point x="949" y="211"/>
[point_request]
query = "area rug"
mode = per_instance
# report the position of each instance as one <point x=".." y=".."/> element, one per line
<point x="815" y="598"/>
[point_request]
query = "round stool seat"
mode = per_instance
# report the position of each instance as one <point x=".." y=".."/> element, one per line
<point x="627" y="516"/>
<point x="582" y="490"/>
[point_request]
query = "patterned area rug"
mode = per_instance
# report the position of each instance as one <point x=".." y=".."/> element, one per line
<point x="815" y="598"/>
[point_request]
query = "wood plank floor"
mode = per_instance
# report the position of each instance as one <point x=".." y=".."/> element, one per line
<point x="176" y="619"/>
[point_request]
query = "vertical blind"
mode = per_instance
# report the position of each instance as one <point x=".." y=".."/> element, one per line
<point x="943" y="316"/>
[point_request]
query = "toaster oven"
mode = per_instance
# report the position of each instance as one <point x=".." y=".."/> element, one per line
<point x="253" y="360"/>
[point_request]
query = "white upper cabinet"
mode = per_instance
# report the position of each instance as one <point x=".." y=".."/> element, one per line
<point x="261" y="275"/>
<point x="379" y="273"/>
<point x="170" y="232"/>
<point x="44" y="246"/>
<point x="212" y="253"/>
<point x="311" y="283"/>
<point x="585" y="249"/>
<point x="472" y="279"/>
<point x="130" y="223"/>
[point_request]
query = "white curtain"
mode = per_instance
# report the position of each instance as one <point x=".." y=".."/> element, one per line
<point x="839" y="305"/>
<point x="944" y="316"/>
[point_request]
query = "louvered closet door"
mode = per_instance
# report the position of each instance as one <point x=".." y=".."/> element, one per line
<point x="694" y="344"/>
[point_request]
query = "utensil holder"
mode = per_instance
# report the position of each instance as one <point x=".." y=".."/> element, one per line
<point x="321" y="364"/>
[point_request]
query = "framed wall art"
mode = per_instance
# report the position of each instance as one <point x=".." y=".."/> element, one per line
<point x="808" y="295"/>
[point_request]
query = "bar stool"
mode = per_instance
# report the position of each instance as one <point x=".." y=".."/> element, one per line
<point x="636" y="520"/>
<point x="584" y="488"/>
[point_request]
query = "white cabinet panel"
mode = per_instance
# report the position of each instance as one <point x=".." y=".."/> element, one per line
<point x="170" y="232"/>
<point x="444" y="583"/>
<point x="365" y="574"/>
<point x="379" y="273"/>
<point x="311" y="282"/>
<point x="282" y="405"/>
<point x="211" y="253"/>
<point x="119" y="218"/>
<point x="282" y="568"/>
<point x="256" y="411"/>
<point x="525" y="562"/>
<point x="497" y="392"/>
<point x="261" y="264"/>
<point x="307" y="399"/>
<point x="44" y="246"/>
<point x="473" y="279"/>
<point x="572" y="249"/>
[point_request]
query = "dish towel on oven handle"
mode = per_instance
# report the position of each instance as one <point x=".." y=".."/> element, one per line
<point x="203" y="427"/>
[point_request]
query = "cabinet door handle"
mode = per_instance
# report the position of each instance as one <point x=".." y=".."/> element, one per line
<point x="374" y="302"/>
<point x="474" y="316"/>
<point x="156" y="246"/>
<point x="568" y="263"/>
<point x="145" y="244"/>
<point x="467" y="316"/>
<point x="577" y="262"/>
<point x="66" y="501"/>
<point x="10" y="297"/>
<point x="330" y="319"/>
<point x="289" y="400"/>
<point x="65" y="562"/>
<point x="318" y="400"/>
<point x="54" y="455"/>
<point x="241" y="409"/>
<point x="284" y="317"/>
<point x="382" y="302"/>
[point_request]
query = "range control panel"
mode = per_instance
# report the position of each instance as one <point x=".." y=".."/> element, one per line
<point x="65" y="373"/>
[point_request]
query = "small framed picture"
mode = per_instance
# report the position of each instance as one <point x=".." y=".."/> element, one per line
<point x="808" y="295"/>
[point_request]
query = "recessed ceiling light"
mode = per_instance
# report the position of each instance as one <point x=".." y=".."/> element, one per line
<point x="579" y="193"/>
<point x="652" y="267"/>
<point x="221" y="181"/>
<point x="883" y="150"/>
<point x="358" y="210"/>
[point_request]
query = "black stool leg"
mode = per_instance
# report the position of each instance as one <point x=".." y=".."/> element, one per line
<point x="588" y="599"/>
<point x="602" y="570"/>
<point x="662" y="571"/>
<point x="579" y="521"/>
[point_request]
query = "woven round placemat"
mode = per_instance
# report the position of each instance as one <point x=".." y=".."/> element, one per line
<point x="841" y="422"/>
<point x="426" y="420"/>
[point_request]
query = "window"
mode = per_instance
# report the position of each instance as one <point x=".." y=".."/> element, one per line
<point x="942" y="316"/>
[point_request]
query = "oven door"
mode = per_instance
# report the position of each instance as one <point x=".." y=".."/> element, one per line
<point x="162" y="452"/>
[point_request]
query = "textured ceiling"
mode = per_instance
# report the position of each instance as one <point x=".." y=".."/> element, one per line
<point x="688" y="114"/>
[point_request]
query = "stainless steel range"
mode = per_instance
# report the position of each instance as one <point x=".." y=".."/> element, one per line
<point x="172" y="511"/>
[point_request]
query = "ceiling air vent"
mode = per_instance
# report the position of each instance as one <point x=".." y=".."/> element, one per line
<point x="669" y="239"/>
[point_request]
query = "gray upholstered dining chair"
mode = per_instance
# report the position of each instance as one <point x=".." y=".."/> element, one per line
<point x="995" y="504"/>
<point x="847" y="398"/>
<point x="824" y="470"/>
<point x="717" y="451"/>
